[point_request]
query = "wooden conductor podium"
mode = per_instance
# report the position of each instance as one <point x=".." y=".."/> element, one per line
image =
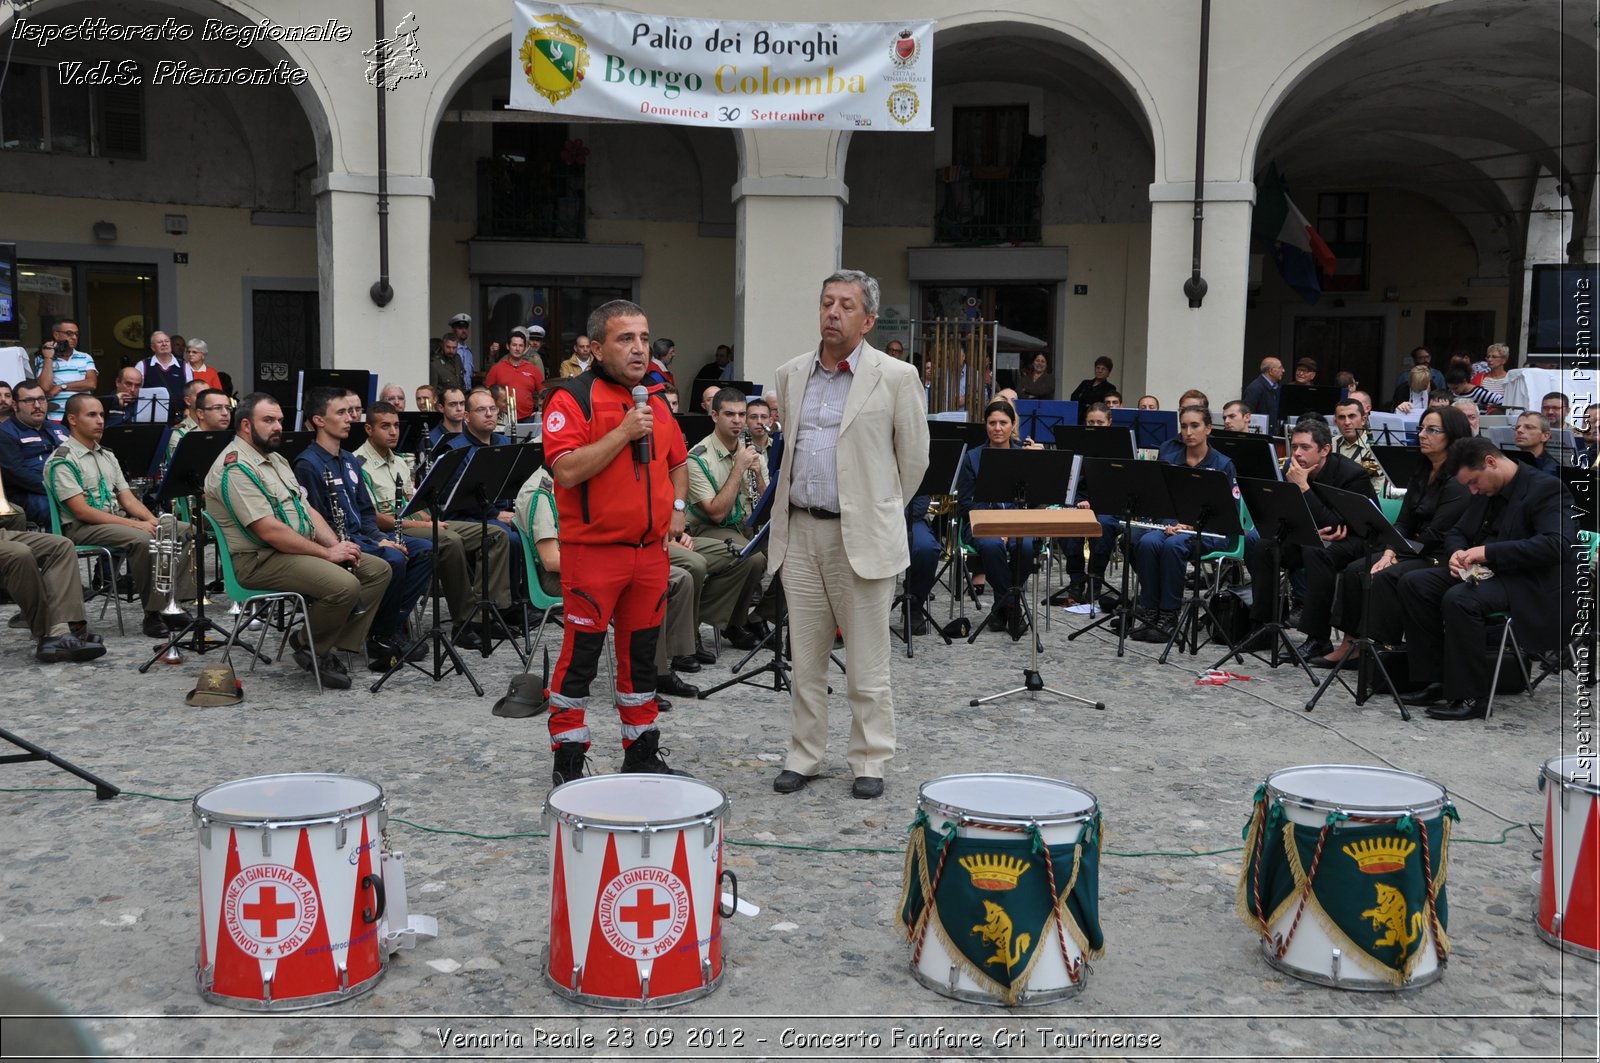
<point x="1038" y="524"/>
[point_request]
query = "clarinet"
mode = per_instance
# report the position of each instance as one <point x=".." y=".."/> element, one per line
<point x="340" y="531"/>
<point x="752" y="483"/>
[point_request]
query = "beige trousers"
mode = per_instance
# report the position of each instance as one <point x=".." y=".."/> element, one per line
<point x="823" y="593"/>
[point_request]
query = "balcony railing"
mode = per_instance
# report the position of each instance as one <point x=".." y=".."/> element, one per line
<point x="530" y="200"/>
<point x="989" y="205"/>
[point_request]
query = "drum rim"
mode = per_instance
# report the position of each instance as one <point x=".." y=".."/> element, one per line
<point x="1431" y="807"/>
<point x="1550" y="772"/>
<point x="633" y="826"/>
<point x="205" y="816"/>
<point x="989" y="818"/>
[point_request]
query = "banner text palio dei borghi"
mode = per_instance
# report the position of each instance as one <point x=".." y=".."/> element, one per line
<point x="590" y="63"/>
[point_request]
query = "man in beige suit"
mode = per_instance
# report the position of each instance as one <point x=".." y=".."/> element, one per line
<point x="855" y="449"/>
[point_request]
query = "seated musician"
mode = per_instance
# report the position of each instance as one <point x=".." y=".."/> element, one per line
<point x="98" y="508"/>
<point x="332" y="481"/>
<point x="188" y="423"/>
<point x="1084" y="586"/>
<point x="124" y="400"/>
<point x="453" y="417"/>
<point x="1311" y="461"/>
<point x="387" y="474"/>
<point x="1161" y="555"/>
<point x="995" y="553"/>
<point x="278" y="542"/>
<point x="536" y="516"/>
<point x="764" y="436"/>
<point x="1434" y="501"/>
<point x="924" y="569"/>
<point x="720" y="501"/>
<point x="1532" y="435"/>
<point x="40" y="573"/>
<point x="1354" y="442"/>
<point x="26" y="440"/>
<point x="1236" y="416"/>
<point x="478" y="430"/>
<point x="1511" y="551"/>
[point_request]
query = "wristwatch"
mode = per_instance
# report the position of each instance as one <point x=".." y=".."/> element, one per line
<point x="678" y="504"/>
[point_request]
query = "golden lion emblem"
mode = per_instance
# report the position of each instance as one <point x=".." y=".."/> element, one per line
<point x="1391" y="913"/>
<point x="997" y="932"/>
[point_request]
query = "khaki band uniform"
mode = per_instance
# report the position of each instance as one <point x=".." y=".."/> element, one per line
<point x="458" y="544"/>
<point x="1360" y="452"/>
<point x="730" y="580"/>
<point x="536" y="514"/>
<point x="184" y="427"/>
<point x="40" y="572"/>
<point x="75" y="470"/>
<point x="243" y="487"/>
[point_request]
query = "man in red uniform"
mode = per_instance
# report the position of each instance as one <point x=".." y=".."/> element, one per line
<point x="518" y="373"/>
<point x="621" y="473"/>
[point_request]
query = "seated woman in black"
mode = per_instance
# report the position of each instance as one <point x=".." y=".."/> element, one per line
<point x="994" y="554"/>
<point x="1434" y="502"/>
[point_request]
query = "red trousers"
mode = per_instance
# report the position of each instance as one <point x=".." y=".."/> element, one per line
<point x="624" y="587"/>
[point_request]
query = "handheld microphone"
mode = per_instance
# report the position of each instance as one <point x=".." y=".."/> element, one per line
<point x="643" y="451"/>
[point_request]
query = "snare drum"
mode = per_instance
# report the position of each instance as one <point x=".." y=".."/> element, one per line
<point x="291" y="890"/>
<point x="636" y="866"/>
<point x="989" y="918"/>
<point x="1348" y="864"/>
<point x="1567" y="913"/>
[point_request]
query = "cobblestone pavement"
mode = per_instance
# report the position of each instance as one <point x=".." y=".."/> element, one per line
<point x="101" y="910"/>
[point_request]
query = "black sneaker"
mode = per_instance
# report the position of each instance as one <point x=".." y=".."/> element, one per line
<point x="571" y="763"/>
<point x="645" y="756"/>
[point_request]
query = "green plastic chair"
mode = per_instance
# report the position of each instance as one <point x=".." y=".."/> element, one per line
<point x="254" y="603"/>
<point x="546" y="603"/>
<point x="1233" y="552"/>
<point x="1391" y="508"/>
<point x="108" y="555"/>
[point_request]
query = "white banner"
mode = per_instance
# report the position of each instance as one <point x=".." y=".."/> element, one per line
<point x="586" y="62"/>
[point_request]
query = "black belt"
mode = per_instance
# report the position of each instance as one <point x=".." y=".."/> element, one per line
<point x="820" y="514"/>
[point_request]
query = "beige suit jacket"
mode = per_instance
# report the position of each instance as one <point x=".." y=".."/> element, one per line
<point x="883" y="452"/>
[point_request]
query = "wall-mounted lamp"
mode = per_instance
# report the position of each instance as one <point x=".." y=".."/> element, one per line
<point x="105" y="232"/>
<point x="177" y="224"/>
<point x="1459" y="300"/>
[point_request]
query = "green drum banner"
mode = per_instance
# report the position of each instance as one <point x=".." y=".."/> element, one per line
<point x="994" y="902"/>
<point x="586" y="62"/>
<point x="1376" y="888"/>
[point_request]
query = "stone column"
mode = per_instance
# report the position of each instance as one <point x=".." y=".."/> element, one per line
<point x="790" y="209"/>
<point x="356" y="332"/>
<point x="1202" y="347"/>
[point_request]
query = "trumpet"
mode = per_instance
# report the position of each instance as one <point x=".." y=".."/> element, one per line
<point x="511" y="408"/>
<point x="166" y="550"/>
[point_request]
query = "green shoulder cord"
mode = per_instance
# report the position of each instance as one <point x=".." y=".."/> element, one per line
<point x="101" y="499"/>
<point x="736" y="513"/>
<point x="549" y="497"/>
<point x="302" y="523"/>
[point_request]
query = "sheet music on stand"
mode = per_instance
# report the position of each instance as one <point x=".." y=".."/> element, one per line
<point x="153" y="406"/>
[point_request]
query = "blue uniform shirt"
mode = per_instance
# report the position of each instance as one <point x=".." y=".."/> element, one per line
<point x="349" y="493"/>
<point x="23" y="451"/>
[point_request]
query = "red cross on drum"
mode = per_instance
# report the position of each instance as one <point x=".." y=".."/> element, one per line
<point x="636" y="871"/>
<point x="291" y="890"/>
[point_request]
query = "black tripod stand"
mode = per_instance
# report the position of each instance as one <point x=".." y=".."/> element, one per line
<point x="429" y="497"/>
<point x="485" y="479"/>
<point x="944" y="461"/>
<point x="103" y="791"/>
<point x="192" y="460"/>
<point x="1279" y="506"/>
<point x="1363" y="519"/>
<point x="1131" y="487"/>
<point x="1204" y="500"/>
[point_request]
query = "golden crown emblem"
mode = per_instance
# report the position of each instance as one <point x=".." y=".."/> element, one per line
<point x="990" y="872"/>
<point x="1379" y="856"/>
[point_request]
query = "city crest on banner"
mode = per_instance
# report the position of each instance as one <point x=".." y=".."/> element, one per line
<point x="554" y="57"/>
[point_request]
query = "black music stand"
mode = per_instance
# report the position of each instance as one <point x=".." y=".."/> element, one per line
<point x="971" y="433"/>
<point x="186" y="478"/>
<point x="483" y="481"/>
<point x="1399" y="464"/>
<point x="1097" y="441"/>
<point x="1363" y="519"/>
<point x="432" y="495"/>
<point x="135" y="446"/>
<point x="1282" y="518"/>
<point x="1306" y="400"/>
<point x="1204" y="500"/>
<point x="1254" y="457"/>
<point x="415" y="425"/>
<point x="944" y="462"/>
<point x="1025" y="479"/>
<point x="1130" y="488"/>
<point x="294" y="444"/>
<point x="1151" y="428"/>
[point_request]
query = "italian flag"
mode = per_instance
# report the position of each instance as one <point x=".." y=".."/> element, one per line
<point x="1300" y="252"/>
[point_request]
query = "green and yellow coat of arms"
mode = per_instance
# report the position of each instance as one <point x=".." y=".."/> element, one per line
<point x="554" y="57"/>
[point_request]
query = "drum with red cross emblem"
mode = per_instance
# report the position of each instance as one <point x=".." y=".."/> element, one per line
<point x="1567" y="912"/>
<point x="291" y="890"/>
<point x="636" y="871"/>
